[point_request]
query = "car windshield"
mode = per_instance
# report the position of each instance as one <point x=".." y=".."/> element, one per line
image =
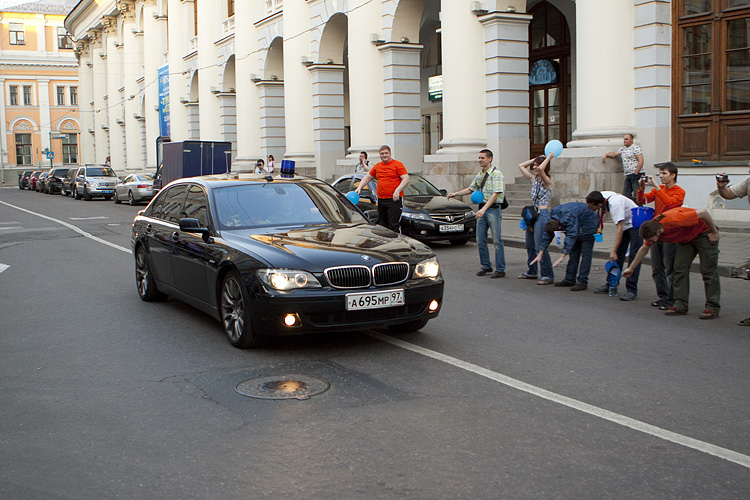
<point x="419" y="186"/>
<point x="285" y="204"/>
<point x="145" y="177"/>
<point x="100" y="172"/>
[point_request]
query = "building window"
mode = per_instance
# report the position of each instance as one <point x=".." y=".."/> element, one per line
<point x="61" y="96"/>
<point x="70" y="149"/>
<point x="273" y="6"/>
<point x="63" y="39"/>
<point x="23" y="149"/>
<point x="711" y="88"/>
<point x="74" y="96"/>
<point x="17" y="36"/>
<point x="27" y="95"/>
<point x="14" y="95"/>
<point x="230" y="8"/>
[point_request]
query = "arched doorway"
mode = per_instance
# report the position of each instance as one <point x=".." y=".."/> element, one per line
<point x="549" y="77"/>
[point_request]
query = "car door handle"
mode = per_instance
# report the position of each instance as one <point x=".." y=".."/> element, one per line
<point x="175" y="237"/>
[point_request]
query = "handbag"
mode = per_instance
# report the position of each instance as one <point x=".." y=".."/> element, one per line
<point x="529" y="213"/>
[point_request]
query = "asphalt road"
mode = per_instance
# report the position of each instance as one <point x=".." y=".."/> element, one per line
<point x="515" y="391"/>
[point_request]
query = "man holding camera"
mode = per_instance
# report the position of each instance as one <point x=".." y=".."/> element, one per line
<point x="632" y="163"/>
<point x="666" y="196"/>
<point x="729" y="193"/>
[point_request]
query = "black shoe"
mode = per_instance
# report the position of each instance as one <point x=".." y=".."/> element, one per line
<point x="564" y="283"/>
<point x="665" y="307"/>
<point x="483" y="271"/>
<point x="602" y="289"/>
<point x="659" y="303"/>
<point x="498" y="274"/>
<point x="578" y="287"/>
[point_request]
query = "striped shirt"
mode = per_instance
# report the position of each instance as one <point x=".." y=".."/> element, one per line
<point x="494" y="184"/>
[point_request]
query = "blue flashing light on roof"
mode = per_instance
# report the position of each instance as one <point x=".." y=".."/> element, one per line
<point x="287" y="168"/>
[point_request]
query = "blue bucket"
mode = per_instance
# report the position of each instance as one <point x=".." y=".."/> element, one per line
<point x="641" y="214"/>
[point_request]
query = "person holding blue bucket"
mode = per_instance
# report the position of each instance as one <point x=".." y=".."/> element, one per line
<point x="536" y="170"/>
<point x="666" y="196"/>
<point x="627" y="239"/>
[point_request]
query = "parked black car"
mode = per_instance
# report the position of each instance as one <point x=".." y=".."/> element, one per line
<point x="39" y="186"/>
<point x="23" y="179"/>
<point x="68" y="182"/>
<point x="53" y="181"/>
<point x="280" y="256"/>
<point x="428" y="214"/>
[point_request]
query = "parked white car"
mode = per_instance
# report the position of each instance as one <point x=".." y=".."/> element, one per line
<point x="94" y="181"/>
<point x="135" y="188"/>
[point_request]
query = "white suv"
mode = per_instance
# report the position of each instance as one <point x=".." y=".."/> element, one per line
<point x="94" y="180"/>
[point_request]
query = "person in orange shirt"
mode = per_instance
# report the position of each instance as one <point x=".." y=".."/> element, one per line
<point x="666" y="196"/>
<point x="695" y="233"/>
<point x="392" y="178"/>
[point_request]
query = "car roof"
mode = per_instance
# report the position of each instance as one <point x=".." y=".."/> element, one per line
<point x="240" y="179"/>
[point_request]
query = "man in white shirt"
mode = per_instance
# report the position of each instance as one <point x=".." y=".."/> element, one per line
<point x="626" y="239"/>
<point x="632" y="163"/>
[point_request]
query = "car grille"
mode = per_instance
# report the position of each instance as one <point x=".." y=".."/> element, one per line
<point x="449" y="218"/>
<point x="390" y="273"/>
<point x="348" y="276"/>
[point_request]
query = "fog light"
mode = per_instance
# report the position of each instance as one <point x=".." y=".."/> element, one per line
<point x="433" y="306"/>
<point x="290" y="320"/>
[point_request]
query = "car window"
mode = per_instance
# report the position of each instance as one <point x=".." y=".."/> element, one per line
<point x="81" y="171"/>
<point x="144" y="177"/>
<point x="420" y="186"/>
<point x="100" y="172"/>
<point x="196" y="205"/>
<point x="259" y="205"/>
<point x="366" y="190"/>
<point x="128" y="179"/>
<point x="173" y="203"/>
<point x="343" y="185"/>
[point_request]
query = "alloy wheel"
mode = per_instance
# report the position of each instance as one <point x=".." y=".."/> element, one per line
<point x="233" y="309"/>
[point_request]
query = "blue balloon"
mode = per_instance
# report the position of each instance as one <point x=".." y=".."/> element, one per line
<point x="553" y="146"/>
<point x="353" y="197"/>
<point x="477" y="197"/>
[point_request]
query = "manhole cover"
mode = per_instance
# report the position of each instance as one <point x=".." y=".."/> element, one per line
<point x="290" y="386"/>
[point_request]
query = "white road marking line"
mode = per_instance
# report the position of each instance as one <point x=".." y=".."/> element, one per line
<point x="695" y="444"/>
<point x="89" y="218"/>
<point x="3" y="267"/>
<point x="8" y="228"/>
<point x="688" y="442"/>
<point x="70" y="226"/>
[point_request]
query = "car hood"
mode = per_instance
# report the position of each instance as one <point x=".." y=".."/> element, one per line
<point x="435" y="205"/>
<point x="314" y="248"/>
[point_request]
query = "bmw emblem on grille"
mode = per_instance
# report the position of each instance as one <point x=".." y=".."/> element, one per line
<point x="365" y="257"/>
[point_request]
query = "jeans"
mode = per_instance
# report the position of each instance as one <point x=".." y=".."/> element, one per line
<point x="630" y="187"/>
<point x="389" y="213"/>
<point x="534" y="242"/>
<point x="709" y="259"/>
<point x="491" y="220"/>
<point x="662" y="269"/>
<point x="631" y="241"/>
<point x="582" y="251"/>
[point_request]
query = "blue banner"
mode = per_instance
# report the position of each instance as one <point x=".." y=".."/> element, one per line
<point x="164" y="101"/>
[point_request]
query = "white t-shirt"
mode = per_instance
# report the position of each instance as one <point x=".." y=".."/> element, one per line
<point x="741" y="190"/>
<point x="620" y="208"/>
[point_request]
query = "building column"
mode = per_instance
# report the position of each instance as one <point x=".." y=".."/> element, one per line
<point x="604" y="73"/>
<point x="178" y="84"/>
<point x="463" y="47"/>
<point x="272" y="120"/>
<point x="208" y="79"/>
<point x="152" y="59"/>
<point x="328" y="117"/>
<point x="99" y="94"/>
<point x="402" y="103"/>
<point x="45" y="127"/>
<point x="86" y="148"/>
<point x="228" y="117"/>
<point x="131" y="74"/>
<point x="248" y="93"/>
<point x="114" y="106"/>
<point x="506" y="89"/>
<point x="4" y="133"/>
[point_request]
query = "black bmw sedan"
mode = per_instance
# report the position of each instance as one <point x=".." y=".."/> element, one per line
<point x="428" y="215"/>
<point x="280" y="256"/>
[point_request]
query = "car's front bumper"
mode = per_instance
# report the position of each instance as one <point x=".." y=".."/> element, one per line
<point x="426" y="230"/>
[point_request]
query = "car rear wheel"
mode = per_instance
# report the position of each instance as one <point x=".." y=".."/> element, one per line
<point x="234" y="313"/>
<point x="411" y="326"/>
<point x="131" y="200"/>
<point x="144" y="280"/>
<point x="117" y="198"/>
<point x="459" y="242"/>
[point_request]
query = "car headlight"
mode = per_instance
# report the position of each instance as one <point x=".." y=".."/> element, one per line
<point x="428" y="268"/>
<point x="470" y="214"/>
<point x="288" y="279"/>
<point x="416" y="215"/>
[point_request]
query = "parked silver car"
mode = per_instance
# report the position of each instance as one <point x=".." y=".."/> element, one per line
<point x="135" y="188"/>
<point x="93" y="181"/>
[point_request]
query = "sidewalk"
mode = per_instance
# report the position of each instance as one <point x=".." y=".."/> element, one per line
<point x="734" y="245"/>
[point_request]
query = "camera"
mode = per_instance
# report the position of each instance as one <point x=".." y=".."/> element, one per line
<point x="722" y="177"/>
<point x="643" y="177"/>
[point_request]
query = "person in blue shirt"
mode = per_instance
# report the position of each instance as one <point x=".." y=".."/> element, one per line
<point x="579" y="221"/>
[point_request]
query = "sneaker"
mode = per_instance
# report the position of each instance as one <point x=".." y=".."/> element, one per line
<point x="564" y="283"/>
<point x="483" y="271"/>
<point x="578" y="287"/>
<point x="628" y="296"/>
<point x="708" y="314"/>
<point x="602" y="289"/>
<point x="664" y="307"/>
<point x="498" y="274"/>
<point x="674" y="312"/>
<point x="658" y="303"/>
<point x="744" y="322"/>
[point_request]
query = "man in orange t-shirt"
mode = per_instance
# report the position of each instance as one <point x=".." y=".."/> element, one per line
<point x="392" y="179"/>
<point x="666" y="196"/>
<point x="695" y="233"/>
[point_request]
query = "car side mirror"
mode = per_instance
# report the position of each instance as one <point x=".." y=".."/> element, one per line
<point x="372" y="216"/>
<point x="190" y="225"/>
<point x="444" y="192"/>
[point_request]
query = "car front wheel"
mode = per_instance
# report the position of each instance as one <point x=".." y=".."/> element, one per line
<point x="76" y="196"/>
<point x="234" y="313"/>
<point x="144" y="280"/>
